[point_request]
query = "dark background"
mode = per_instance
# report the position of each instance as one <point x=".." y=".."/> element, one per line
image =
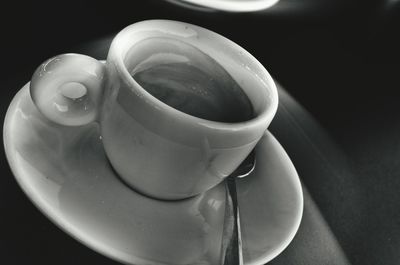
<point x="339" y="59"/>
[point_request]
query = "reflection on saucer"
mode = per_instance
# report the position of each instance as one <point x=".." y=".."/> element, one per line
<point x="64" y="171"/>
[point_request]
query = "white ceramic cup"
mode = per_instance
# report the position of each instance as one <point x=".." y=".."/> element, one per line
<point x="156" y="149"/>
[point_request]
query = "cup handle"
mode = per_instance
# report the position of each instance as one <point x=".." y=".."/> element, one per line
<point x="68" y="89"/>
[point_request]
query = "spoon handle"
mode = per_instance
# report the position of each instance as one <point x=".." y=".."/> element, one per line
<point x="232" y="241"/>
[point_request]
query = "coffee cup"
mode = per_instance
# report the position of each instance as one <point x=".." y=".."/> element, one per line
<point x="179" y="107"/>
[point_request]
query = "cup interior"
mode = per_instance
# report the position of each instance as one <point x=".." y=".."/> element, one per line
<point x="185" y="78"/>
<point x="144" y="45"/>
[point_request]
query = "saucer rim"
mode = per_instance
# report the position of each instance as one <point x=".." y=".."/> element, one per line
<point x="99" y="247"/>
<point x="234" y="6"/>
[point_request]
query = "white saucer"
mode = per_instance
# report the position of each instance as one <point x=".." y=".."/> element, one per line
<point x="64" y="171"/>
<point x="229" y="5"/>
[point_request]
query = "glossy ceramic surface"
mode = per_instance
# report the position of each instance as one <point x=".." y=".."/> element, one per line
<point x="230" y="5"/>
<point x="64" y="171"/>
<point x="155" y="148"/>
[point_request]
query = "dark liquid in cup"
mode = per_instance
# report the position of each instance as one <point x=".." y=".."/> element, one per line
<point x="189" y="80"/>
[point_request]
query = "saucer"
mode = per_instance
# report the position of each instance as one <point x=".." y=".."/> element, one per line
<point x="228" y="5"/>
<point x="66" y="174"/>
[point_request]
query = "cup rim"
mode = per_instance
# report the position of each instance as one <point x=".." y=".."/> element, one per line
<point x="265" y="116"/>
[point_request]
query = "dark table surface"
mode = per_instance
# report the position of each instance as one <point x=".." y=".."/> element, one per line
<point x="338" y="117"/>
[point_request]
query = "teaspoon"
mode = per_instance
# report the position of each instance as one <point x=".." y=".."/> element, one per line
<point x="231" y="238"/>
